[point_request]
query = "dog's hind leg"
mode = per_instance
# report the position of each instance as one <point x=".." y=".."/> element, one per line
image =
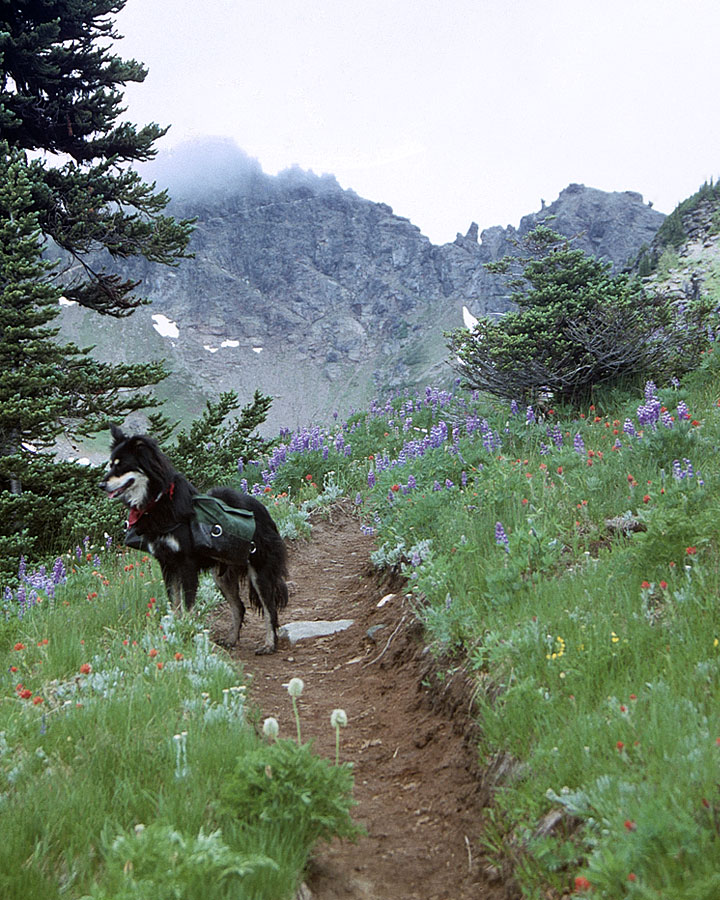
<point x="227" y="580"/>
<point x="262" y="596"/>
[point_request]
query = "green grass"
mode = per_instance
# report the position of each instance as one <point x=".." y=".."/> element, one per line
<point x="596" y="654"/>
<point x="119" y="729"/>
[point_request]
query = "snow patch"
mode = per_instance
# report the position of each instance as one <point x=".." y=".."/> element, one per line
<point x="210" y="349"/>
<point x="229" y="343"/>
<point x="164" y="326"/>
<point x="469" y="319"/>
<point x="257" y="349"/>
<point x="63" y="301"/>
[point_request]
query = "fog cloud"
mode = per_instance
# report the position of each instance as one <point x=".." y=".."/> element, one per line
<point x="207" y="168"/>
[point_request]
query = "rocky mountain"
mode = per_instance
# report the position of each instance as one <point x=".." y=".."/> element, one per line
<point x="318" y="297"/>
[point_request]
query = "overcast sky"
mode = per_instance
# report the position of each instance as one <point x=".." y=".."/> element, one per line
<point x="450" y="111"/>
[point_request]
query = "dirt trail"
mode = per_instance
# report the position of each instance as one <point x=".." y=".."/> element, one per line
<point x="413" y="757"/>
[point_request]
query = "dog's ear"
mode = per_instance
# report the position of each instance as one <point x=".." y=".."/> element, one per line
<point x="118" y="435"/>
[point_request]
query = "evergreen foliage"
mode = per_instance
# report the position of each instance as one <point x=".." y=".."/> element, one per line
<point x="46" y="386"/>
<point x="577" y="326"/>
<point x="61" y="92"/>
<point x="212" y="447"/>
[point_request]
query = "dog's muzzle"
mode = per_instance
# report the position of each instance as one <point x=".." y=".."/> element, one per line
<point x="116" y="486"/>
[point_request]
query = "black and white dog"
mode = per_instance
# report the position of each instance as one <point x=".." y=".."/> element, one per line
<point x="161" y="510"/>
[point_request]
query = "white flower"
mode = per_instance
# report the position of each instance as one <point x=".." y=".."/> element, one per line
<point x="295" y="687"/>
<point x="271" y="727"/>
<point x="338" y="717"/>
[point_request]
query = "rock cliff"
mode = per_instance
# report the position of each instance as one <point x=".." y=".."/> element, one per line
<point x="321" y="298"/>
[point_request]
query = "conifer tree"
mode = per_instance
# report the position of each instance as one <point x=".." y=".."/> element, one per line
<point x="61" y="92"/>
<point x="66" y="182"/>
<point x="576" y="326"/>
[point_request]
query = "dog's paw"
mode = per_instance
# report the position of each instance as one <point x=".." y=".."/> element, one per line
<point x="265" y="650"/>
<point x="228" y="642"/>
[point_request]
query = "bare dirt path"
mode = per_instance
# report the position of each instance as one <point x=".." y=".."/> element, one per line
<point x="414" y="763"/>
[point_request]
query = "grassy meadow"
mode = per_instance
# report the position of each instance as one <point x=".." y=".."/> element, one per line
<point x="567" y="560"/>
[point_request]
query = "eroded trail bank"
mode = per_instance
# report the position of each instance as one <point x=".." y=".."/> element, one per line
<point x="415" y="781"/>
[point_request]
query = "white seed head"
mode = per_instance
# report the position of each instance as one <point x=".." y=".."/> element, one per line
<point x="338" y="717"/>
<point x="271" y="727"/>
<point x="295" y="687"/>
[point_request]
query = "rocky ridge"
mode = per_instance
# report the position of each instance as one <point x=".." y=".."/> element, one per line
<point x="320" y="298"/>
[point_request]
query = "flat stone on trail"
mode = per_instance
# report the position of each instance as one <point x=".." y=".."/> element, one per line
<point x="298" y="631"/>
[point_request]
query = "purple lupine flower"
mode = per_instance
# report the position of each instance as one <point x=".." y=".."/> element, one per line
<point x="437" y="486"/>
<point x="244" y="486"/>
<point x="666" y="419"/>
<point x="58" y="573"/>
<point x="514" y="409"/>
<point x="649" y="412"/>
<point x="371" y="478"/>
<point x="530" y="416"/>
<point x="555" y="434"/>
<point x="358" y="499"/>
<point x="617" y="445"/>
<point x="650" y="390"/>
<point x="463" y="478"/>
<point x="677" y="470"/>
<point x="501" y="539"/>
<point x="682" y="410"/>
<point x="579" y="444"/>
<point x="448" y="484"/>
<point x="411" y="483"/>
<point x="629" y="428"/>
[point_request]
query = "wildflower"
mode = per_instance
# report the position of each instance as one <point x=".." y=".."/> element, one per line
<point x="152" y="653"/>
<point x="632" y="876"/>
<point x="160" y="665"/>
<point x="582" y="884"/>
<point x="271" y="728"/>
<point x="579" y="444"/>
<point x="691" y="551"/>
<point x="663" y="585"/>
<point x="630" y="825"/>
<point x="85" y="669"/>
<point x="645" y="586"/>
<point x="178" y="656"/>
<point x="37" y="701"/>
<point x="338" y="717"/>
<point x="501" y="539"/>
<point x="620" y="746"/>
<point x="19" y="646"/>
<point x="25" y="694"/>
<point x="295" y="687"/>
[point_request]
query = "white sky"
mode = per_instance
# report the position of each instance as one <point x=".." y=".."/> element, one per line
<point x="450" y="111"/>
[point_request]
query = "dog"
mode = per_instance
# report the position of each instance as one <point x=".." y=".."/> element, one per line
<point x="159" y="498"/>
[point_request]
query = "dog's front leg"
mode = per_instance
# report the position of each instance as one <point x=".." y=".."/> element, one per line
<point x="181" y="583"/>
